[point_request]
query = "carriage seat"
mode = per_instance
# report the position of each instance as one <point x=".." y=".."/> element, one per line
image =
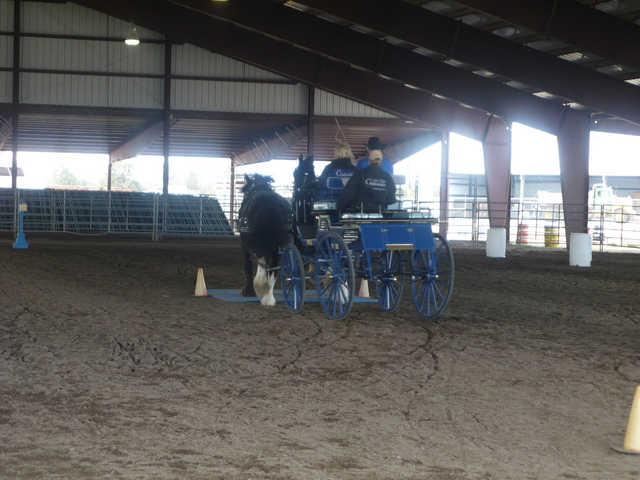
<point x="395" y="211"/>
<point x="327" y="194"/>
<point x="399" y="180"/>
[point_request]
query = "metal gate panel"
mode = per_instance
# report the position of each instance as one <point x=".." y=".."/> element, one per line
<point x="84" y="211"/>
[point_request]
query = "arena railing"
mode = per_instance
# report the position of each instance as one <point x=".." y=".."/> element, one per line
<point x="467" y="219"/>
<point x="96" y="212"/>
<point x="534" y="224"/>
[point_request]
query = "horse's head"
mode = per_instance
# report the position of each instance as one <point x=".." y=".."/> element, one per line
<point x="256" y="182"/>
<point x="304" y="174"/>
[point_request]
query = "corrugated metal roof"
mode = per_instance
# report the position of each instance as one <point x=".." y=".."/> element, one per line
<point x="77" y="127"/>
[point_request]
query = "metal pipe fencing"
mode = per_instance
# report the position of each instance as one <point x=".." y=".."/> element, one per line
<point x="541" y="224"/>
<point x="467" y="219"/>
<point x="94" y="212"/>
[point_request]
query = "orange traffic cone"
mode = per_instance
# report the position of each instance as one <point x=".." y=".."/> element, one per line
<point x="631" y="443"/>
<point x="201" y="288"/>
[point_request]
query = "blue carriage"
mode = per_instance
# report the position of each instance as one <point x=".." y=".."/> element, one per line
<point x="389" y="248"/>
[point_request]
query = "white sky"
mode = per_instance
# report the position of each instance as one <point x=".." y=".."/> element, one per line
<point x="533" y="152"/>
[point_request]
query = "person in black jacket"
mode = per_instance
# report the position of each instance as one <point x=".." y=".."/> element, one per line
<point x="343" y="165"/>
<point x="370" y="189"/>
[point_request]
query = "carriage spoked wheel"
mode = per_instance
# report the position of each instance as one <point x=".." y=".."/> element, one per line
<point x="335" y="276"/>
<point x="389" y="279"/>
<point x="292" y="277"/>
<point x="432" y="278"/>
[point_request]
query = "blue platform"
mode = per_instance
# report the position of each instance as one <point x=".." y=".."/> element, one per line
<point x="235" y="295"/>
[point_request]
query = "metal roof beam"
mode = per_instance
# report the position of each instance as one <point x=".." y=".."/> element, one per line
<point x="484" y="50"/>
<point x="283" y="58"/>
<point x="137" y="144"/>
<point x="413" y="145"/>
<point x="384" y="59"/>
<point x="614" y="125"/>
<point x="149" y="113"/>
<point x="406" y="102"/>
<point x="6" y="127"/>
<point x="271" y="148"/>
<point x="571" y="22"/>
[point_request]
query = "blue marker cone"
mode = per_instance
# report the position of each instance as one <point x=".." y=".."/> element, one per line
<point x="21" y="241"/>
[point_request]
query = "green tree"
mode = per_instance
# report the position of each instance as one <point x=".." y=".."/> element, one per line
<point x="62" y="176"/>
<point x="193" y="181"/>
<point x="121" y="177"/>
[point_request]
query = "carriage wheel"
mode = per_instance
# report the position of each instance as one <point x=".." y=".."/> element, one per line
<point x="335" y="276"/>
<point x="292" y="277"/>
<point x="389" y="280"/>
<point x="432" y="277"/>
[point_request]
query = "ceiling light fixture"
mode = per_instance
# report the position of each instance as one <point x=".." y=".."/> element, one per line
<point x="132" y="38"/>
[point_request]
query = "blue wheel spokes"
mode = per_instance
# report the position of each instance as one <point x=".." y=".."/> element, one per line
<point x="293" y="278"/>
<point x="389" y="280"/>
<point x="432" y="278"/>
<point x="335" y="277"/>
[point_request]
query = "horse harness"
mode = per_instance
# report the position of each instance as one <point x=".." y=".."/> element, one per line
<point x="253" y="197"/>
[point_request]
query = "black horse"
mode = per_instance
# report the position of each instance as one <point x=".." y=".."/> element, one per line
<point x="264" y="223"/>
<point x="304" y="187"/>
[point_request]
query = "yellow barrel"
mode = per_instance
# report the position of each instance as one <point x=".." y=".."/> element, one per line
<point x="551" y="237"/>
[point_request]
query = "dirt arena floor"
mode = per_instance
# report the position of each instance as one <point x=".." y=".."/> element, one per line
<point x="110" y="368"/>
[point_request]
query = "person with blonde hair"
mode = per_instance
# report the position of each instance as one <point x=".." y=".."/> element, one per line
<point x="370" y="189"/>
<point x="342" y="165"/>
<point x="343" y="150"/>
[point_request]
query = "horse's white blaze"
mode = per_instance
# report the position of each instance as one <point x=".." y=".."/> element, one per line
<point x="263" y="284"/>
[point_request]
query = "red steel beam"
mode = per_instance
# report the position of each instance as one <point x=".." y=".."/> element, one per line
<point x="484" y="50"/>
<point x="391" y="61"/>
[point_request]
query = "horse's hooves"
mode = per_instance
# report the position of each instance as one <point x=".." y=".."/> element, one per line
<point x="248" y="293"/>
<point x="268" y="302"/>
